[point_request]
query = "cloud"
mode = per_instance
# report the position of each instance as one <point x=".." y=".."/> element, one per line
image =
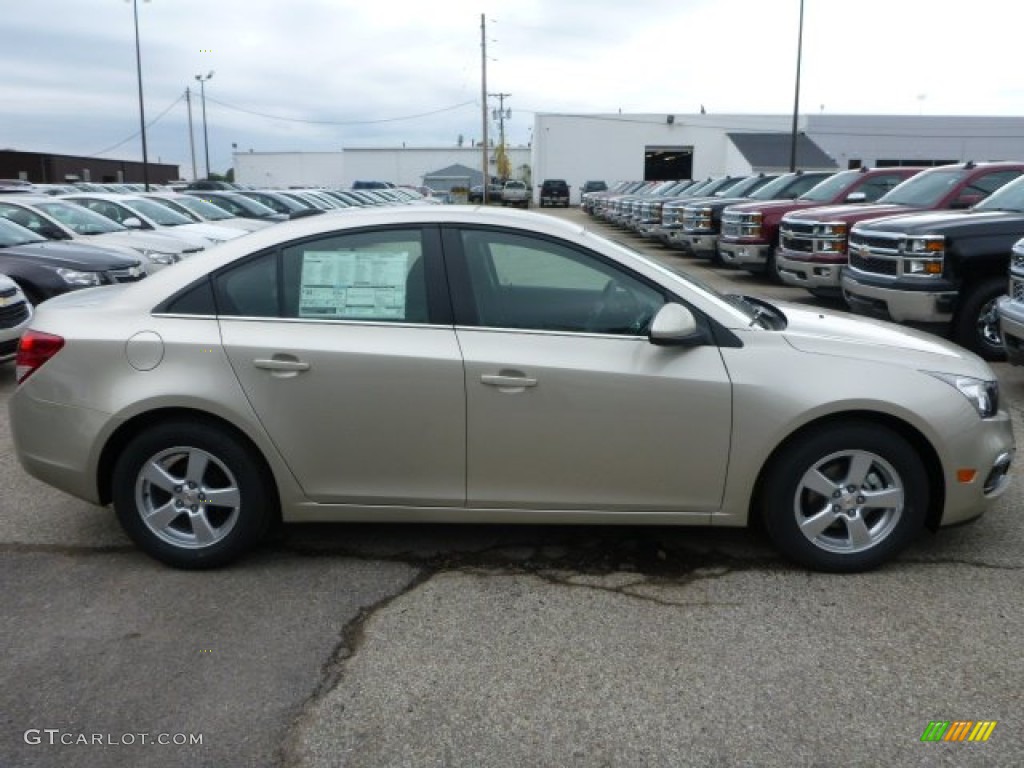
<point x="70" y="81"/>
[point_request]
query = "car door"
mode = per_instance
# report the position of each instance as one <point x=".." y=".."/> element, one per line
<point x="569" y="405"/>
<point x="344" y="346"/>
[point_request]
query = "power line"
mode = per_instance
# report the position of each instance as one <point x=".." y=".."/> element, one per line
<point x="150" y="124"/>
<point x="340" y="122"/>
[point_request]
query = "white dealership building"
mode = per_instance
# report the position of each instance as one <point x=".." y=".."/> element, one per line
<point x="581" y="147"/>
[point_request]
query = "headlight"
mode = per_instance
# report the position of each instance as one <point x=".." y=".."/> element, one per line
<point x="828" y="230"/>
<point x="74" y="277"/>
<point x="929" y="244"/>
<point x="923" y="267"/>
<point x="159" y="257"/>
<point x="983" y="395"/>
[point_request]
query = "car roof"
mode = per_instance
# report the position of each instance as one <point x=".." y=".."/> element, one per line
<point x="161" y="284"/>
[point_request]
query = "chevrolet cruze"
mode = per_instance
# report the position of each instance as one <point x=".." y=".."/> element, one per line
<point x="423" y="364"/>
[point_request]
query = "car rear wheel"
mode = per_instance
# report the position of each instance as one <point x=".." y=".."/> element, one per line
<point x="845" y="499"/>
<point x="191" y="495"/>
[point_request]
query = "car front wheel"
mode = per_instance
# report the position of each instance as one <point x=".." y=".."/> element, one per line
<point x="191" y="495"/>
<point x="845" y="499"/>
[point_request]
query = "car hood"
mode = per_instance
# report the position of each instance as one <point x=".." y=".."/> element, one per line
<point x="69" y="255"/>
<point x="822" y="333"/>
<point x="209" y="231"/>
<point x="850" y="213"/>
<point x="951" y="222"/>
<point x="134" y="239"/>
<point x="773" y="206"/>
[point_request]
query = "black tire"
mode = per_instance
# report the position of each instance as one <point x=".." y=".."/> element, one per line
<point x="976" y="325"/>
<point x="833" y="526"/>
<point x="771" y="266"/>
<point x="31" y="294"/>
<point x="202" y="534"/>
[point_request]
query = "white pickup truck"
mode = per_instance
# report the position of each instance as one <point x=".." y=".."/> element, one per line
<point x="515" y="193"/>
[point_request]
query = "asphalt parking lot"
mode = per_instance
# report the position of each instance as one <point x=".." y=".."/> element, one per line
<point x="402" y="645"/>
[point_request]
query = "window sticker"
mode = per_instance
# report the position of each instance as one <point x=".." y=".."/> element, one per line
<point x="353" y="285"/>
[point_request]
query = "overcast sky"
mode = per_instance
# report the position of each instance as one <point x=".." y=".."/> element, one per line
<point x="384" y="72"/>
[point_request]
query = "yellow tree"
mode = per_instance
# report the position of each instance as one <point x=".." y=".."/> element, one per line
<point x="502" y="161"/>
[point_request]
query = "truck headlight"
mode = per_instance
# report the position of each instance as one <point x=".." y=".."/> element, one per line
<point x="830" y="229"/>
<point x="78" y="278"/>
<point x="982" y="394"/>
<point x="922" y="267"/>
<point x="929" y="244"/>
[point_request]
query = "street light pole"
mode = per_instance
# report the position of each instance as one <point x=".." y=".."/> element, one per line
<point x="206" y="138"/>
<point x="191" y="134"/>
<point x="142" y="109"/>
<point x="483" y="105"/>
<point x="796" y="97"/>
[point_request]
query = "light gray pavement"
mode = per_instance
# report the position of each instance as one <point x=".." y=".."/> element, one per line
<point x="505" y="646"/>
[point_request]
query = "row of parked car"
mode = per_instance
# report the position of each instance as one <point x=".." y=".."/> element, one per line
<point x="55" y="239"/>
<point x="928" y="247"/>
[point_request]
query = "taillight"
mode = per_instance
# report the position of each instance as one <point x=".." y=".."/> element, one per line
<point x="34" y="349"/>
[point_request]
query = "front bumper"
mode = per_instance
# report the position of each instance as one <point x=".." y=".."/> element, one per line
<point x="1011" y="326"/>
<point x="903" y="304"/>
<point x="813" y="275"/>
<point x="988" y="447"/>
<point x="704" y="246"/>
<point x="742" y="255"/>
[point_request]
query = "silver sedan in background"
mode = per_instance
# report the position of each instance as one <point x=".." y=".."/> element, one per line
<point x="459" y="364"/>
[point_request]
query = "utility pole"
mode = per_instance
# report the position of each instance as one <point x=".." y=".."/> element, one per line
<point x="501" y="114"/>
<point x="206" y="137"/>
<point x="191" y="134"/>
<point x="796" y="97"/>
<point x="483" y="100"/>
<point x="142" y="109"/>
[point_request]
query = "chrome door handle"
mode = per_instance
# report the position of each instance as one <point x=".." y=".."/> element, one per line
<point x="275" y="364"/>
<point x="518" y="382"/>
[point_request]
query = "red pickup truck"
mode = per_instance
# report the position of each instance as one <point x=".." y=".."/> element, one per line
<point x="814" y="244"/>
<point x="750" y="231"/>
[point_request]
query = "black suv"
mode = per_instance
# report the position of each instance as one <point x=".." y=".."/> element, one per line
<point x="554" y="192"/>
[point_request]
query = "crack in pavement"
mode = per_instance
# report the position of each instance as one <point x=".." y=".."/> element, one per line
<point x="499" y="560"/>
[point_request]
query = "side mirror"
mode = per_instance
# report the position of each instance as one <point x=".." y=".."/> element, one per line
<point x="856" y="197"/>
<point x="132" y="223"/>
<point x="675" y="325"/>
<point x="966" y="201"/>
<point x="51" y="232"/>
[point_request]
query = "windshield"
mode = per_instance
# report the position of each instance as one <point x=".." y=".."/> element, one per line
<point x="774" y="188"/>
<point x="748" y="187"/>
<point x="831" y="187"/>
<point x="238" y="204"/>
<point x="279" y="203"/>
<point x="753" y="311"/>
<point x="160" y="214"/>
<point x="925" y="189"/>
<point x="1007" y="198"/>
<point x="202" y="208"/>
<point x="14" y="234"/>
<point x="79" y="219"/>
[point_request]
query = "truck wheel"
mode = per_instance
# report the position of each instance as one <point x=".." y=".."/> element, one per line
<point x="976" y="325"/>
<point x="771" y="270"/>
